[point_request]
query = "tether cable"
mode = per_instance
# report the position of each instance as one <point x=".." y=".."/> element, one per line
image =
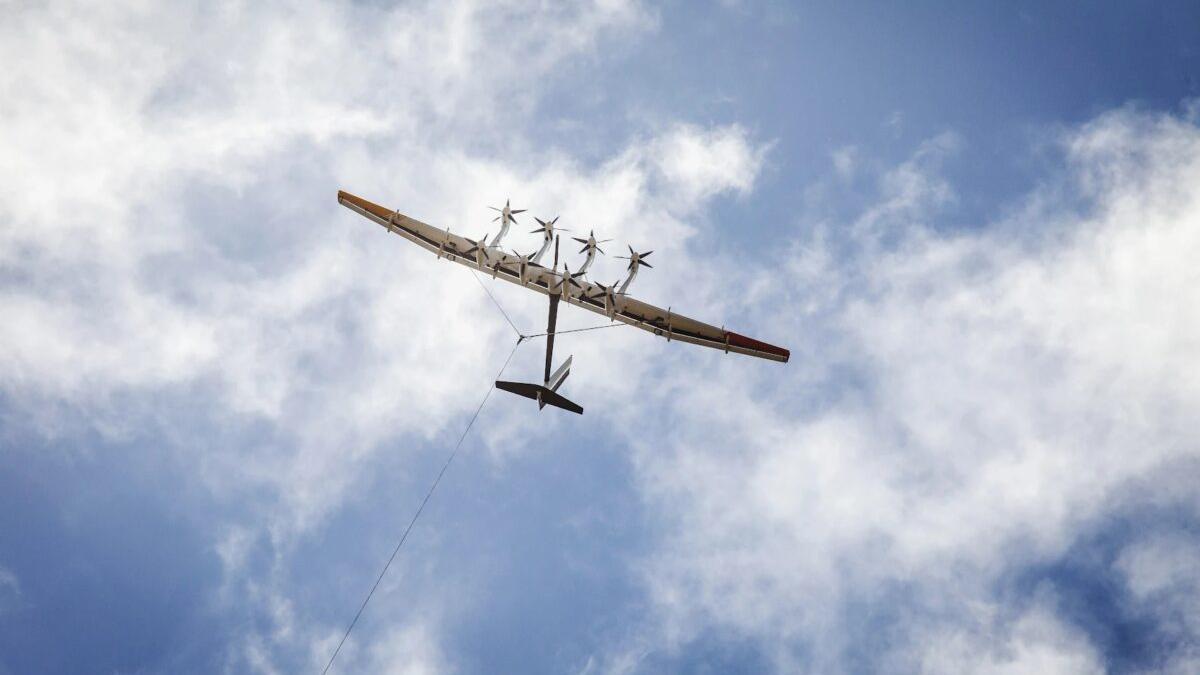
<point x="575" y="330"/>
<point x="404" y="537"/>
<point x="497" y="303"/>
<point x="521" y="337"/>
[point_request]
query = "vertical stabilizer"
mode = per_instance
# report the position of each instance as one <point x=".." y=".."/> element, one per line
<point x="559" y="375"/>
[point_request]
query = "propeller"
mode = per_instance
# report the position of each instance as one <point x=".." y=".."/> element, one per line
<point x="605" y="290"/>
<point x="507" y="212"/>
<point x="547" y="228"/>
<point x="478" y="248"/>
<point x="609" y="295"/>
<point x="637" y="259"/>
<point x="523" y="263"/>
<point x="565" y="283"/>
<point x="591" y="243"/>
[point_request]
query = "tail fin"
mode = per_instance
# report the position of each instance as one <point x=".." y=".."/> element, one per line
<point x="543" y="395"/>
<point x="559" y="375"/>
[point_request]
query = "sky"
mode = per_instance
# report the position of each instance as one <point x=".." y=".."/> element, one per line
<point x="222" y="395"/>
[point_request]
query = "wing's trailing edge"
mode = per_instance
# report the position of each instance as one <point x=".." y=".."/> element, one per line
<point x="650" y="318"/>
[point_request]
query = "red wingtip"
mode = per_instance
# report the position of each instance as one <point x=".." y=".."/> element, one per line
<point x="750" y="343"/>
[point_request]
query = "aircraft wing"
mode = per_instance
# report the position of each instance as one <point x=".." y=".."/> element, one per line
<point x="662" y="322"/>
<point x="674" y="326"/>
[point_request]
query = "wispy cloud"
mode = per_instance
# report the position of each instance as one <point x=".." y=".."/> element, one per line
<point x="10" y="589"/>
<point x="173" y="256"/>
<point x="960" y="408"/>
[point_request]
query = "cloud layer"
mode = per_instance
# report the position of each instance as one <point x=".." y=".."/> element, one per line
<point x="963" y="409"/>
<point x="973" y="420"/>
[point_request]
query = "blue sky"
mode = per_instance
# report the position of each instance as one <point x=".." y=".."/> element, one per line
<point x="222" y="395"/>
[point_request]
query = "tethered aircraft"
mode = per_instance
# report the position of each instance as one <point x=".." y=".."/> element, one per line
<point x="566" y="286"/>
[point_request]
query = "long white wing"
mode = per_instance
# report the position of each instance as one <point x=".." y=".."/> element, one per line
<point x="542" y="279"/>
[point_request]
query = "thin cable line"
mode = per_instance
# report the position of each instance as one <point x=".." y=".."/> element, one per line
<point x="421" y="508"/>
<point x="497" y="303"/>
<point x="575" y="330"/>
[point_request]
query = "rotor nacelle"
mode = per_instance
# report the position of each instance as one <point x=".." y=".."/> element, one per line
<point x="609" y="295"/>
<point x="636" y="261"/>
<point x="565" y="282"/>
<point x="547" y="229"/>
<point x="478" y="250"/>
<point x="590" y="246"/>
<point x="506" y="219"/>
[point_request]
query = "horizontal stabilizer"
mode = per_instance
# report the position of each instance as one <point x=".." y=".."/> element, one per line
<point x="543" y="395"/>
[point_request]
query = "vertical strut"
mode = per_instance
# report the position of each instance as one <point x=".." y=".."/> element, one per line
<point x="550" y="335"/>
<point x="550" y="323"/>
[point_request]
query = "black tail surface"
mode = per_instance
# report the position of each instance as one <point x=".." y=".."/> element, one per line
<point x="543" y="395"/>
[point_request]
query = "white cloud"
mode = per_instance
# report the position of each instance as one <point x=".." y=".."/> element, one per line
<point x="698" y="163"/>
<point x="845" y="161"/>
<point x="410" y="650"/>
<point x="1161" y="565"/>
<point x="10" y="590"/>
<point x="1035" y="642"/>
<point x="958" y="407"/>
<point x="121" y="278"/>
<point x="1162" y="575"/>
<point x="168" y="229"/>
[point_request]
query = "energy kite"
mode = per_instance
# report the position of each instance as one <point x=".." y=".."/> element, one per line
<point x="528" y="271"/>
